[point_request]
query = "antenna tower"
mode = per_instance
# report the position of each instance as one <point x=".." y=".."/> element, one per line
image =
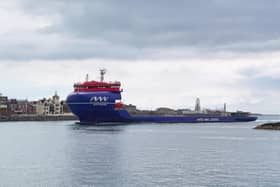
<point x="102" y="73"/>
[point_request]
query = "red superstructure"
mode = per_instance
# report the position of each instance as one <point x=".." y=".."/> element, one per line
<point x="95" y="86"/>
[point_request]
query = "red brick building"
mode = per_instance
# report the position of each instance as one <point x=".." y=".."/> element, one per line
<point x="21" y="107"/>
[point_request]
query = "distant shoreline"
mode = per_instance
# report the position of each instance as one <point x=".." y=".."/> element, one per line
<point x="38" y="118"/>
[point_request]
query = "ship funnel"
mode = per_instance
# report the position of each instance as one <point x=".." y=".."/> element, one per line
<point x="102" y="73"/>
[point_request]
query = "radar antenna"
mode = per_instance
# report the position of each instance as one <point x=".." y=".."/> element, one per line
<point x="102" y="73"/>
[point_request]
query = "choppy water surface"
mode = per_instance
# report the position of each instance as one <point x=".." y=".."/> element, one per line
<point x="66" y="154"/>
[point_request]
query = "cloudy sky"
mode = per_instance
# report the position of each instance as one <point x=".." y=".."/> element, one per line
<point x="164" y="52"/>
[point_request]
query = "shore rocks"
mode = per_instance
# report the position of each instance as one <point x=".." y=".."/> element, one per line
<point x="269" y="126"/>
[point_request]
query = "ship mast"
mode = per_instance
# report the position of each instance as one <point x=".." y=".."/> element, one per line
<point x="102" y="73"/>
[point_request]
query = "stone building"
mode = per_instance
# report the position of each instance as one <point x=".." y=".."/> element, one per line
<point x="51" y="106"/>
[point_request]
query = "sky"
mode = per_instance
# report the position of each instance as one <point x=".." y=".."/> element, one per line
<point x="165" y="53"/>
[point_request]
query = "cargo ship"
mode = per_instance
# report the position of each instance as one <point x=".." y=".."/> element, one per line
<point x="95" y="102"/>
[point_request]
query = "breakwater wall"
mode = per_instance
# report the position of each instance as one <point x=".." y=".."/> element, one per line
<point x="38" y="118"/>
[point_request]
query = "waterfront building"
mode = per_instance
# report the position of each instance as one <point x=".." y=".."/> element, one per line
<point x="42" y="107"/>
<point x="21" y="107"/>
<point x="51" y="106"/>
<point x="3" y="105"/>
<point x="57" y="105"/>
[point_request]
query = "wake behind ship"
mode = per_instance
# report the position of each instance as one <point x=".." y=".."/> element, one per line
<point x="100" y="102"/>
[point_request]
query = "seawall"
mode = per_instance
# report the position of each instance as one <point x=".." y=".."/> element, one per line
<point x="38" y="118"/>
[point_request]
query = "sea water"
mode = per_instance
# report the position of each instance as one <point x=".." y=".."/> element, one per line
<point x="67" y="154"/>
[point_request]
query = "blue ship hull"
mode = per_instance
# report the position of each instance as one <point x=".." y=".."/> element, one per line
<point x="99" y="107"/>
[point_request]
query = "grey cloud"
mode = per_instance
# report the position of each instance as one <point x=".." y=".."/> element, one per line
<point x="55" y="48"/>
<point x="104" y="28"/>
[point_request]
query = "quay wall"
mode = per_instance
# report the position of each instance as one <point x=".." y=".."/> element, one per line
<point x="38" y="118"/>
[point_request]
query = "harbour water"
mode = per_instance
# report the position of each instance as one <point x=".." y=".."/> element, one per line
<point x="66" y="154"/>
